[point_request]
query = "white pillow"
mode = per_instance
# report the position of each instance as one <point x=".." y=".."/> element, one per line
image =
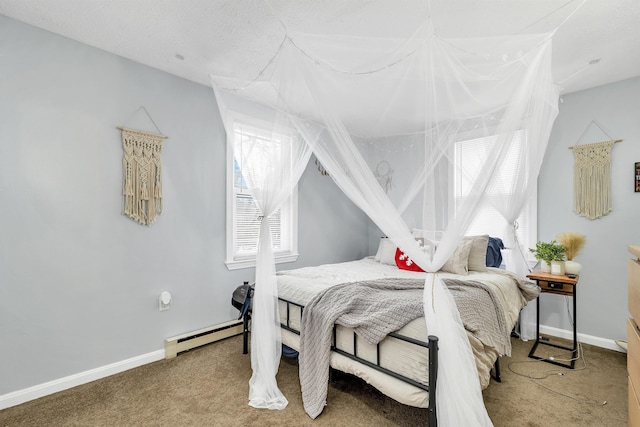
<point x="459" y="261"/>
<point x="478" y="254"/>
<point x="386" y="252"/>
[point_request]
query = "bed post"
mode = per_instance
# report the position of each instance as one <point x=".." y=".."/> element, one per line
<point x="433" y="378"/>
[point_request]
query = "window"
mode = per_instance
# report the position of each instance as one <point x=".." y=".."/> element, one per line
<point x="469" y="158"/>
<point x="243" y="214"/>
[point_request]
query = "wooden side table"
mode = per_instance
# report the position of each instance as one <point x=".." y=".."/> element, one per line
<point x="559" y="285"/>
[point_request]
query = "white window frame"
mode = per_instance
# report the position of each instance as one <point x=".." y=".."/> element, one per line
<point x="288" y="214"/>
<point x="530" y="211"/>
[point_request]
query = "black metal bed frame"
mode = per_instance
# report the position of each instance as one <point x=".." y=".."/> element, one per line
<point x="431" y="346"/>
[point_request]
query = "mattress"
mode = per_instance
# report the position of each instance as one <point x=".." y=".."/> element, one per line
<point x="300" y="286"/>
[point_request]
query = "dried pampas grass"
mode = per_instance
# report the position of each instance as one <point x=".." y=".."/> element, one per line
<point x="572" y="243"/>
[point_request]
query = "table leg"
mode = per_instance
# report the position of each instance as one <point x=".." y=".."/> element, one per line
<point x="537" y="341"/>
<point x="574" y="353"/>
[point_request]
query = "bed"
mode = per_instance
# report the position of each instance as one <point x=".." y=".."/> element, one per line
<point x="399" y="365"/>
<point x="409" y="359"/>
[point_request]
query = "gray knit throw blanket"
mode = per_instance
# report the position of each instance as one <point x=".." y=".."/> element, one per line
<point x="376" y="308"/>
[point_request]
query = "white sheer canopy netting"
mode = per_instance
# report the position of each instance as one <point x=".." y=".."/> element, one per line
<point x="355" y="102"/>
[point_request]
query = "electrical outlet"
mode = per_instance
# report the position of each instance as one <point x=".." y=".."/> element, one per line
<point x="164" y="301"/>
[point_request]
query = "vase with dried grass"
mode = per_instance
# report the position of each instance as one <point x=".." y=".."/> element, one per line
<point x="572" y="243"/>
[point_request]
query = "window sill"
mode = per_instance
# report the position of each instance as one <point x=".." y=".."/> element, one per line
<point x="251" y="262"/>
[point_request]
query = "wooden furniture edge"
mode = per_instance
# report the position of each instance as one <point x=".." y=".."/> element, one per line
<point x="561" y="278"/>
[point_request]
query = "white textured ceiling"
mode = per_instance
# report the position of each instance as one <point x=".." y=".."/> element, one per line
<point x="195" y="38"/>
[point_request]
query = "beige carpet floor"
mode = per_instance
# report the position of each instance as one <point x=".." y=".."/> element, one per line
<point x="208" y="386"/>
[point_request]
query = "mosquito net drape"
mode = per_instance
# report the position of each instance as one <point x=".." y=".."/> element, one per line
<point x="421" y="105"/>
<point x="271" y="167"/>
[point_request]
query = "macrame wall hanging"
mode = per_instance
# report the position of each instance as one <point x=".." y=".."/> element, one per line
<point x="141" y="174"/>
<point x="592" y="178"/>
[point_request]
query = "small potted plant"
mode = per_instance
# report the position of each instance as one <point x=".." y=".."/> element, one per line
<point x="552" y="253"/>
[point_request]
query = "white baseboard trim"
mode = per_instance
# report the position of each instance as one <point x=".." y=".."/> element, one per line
<point x="21" y="396"/>
<point x="583" y="338"/>
<point x="41" y="390"/>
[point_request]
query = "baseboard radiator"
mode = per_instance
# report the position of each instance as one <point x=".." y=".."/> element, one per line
<point x="184" y="342"/>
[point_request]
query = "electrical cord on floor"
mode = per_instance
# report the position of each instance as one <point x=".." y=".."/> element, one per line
<point x="584" y="401"/>
<point x="546" y="374"/>
<point x="554" y="372"/>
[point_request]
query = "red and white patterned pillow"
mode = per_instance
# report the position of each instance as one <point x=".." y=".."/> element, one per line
<point x="405" y="263"/>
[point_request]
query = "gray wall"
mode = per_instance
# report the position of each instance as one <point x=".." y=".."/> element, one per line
<point x="79" y="282"/>
<point x="602" y="289"/>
